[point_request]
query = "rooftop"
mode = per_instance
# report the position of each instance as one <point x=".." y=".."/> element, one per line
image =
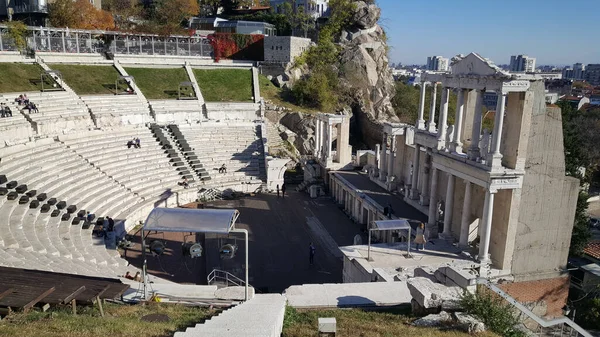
<point x="593" y="249"/>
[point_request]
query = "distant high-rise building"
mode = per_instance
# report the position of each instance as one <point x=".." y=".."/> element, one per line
<point x="578" y="71"/>
<point x="592" y="74"/>
<point x="437" y="63"/>
<point x="522" y="63"/>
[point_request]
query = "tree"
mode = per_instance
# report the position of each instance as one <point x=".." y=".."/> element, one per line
<point x="123" y="11"/>
<point x="173" y="12"/>
<point x="79" y="14"/>
<point x="17" y="31"/>
<point x="209" y="7"/>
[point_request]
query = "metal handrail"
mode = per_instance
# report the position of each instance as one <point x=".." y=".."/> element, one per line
<point x="222" y="275"/>
<point x="542" y="322"/>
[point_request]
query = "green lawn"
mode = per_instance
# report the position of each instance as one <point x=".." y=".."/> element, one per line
<point x="88" y="80"/>
<point x="120" y="321"/>
<point x="279" y="96"/>
<point x="18" y="77"/>
<point x="225" y="85"/>
<point x="159" y="83"/>
<point x="360" y="323"/>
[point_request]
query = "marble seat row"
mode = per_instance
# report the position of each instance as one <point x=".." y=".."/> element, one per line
<point x="176" y="111"/>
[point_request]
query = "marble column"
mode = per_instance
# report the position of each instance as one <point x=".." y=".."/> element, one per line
<point x="329" y="141"/>
<point x="415" y="174"/>
<point x="432" y="216"/>
<point x="496" y="156"/>
<point x="456" y="145"/>
<point x="447" y="234"/>
<point x="390" y="160"/>
<point x="488" y="213"/>
<point x="424" y="198"/>
<point x="431" y="125"/>
<point x="323" y="139"/>
<point x="474" y="151"/>
<point x="318" y="139"/>
<point x="442" y="126"/>
<point x="383" y="156"/>
<point x="421" y="121"/>
<point x="463" y="241"/>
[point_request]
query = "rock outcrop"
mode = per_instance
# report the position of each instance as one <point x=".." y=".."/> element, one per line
<point x="364" y="70"/>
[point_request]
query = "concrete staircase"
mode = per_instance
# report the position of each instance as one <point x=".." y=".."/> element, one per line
<point x="261" y="316"/>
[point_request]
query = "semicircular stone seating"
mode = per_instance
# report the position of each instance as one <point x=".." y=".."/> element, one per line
<point x="96" y="171"/>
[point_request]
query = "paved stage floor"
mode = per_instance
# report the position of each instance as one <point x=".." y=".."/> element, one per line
<point x="280" y="231"/>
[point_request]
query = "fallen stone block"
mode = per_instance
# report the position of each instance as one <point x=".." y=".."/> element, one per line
<point x="434" y="320"/>
<point x="434" y="295"/>
<point x="469" y="323"/>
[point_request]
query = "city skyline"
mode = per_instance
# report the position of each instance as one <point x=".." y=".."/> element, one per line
<point x="538" y="28"/>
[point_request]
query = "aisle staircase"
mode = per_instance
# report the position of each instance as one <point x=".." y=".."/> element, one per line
<point x="261" y="316"/>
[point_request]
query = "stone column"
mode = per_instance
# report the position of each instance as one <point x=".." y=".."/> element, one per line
<point x="432" y="221"/>
<point x="324" y="136"/>
<point x="456" y="145"/>
<point x="447" y="234"/>
<point x="390" y="160"/>
<point x="421" y="121"/>
<point x="431" y="125"/>
<point x="463" y="242"/>
<point x="415" y="174"/>
<point x="442" y="127"/>
<point x="317" y="139"/>
<point x="383" y="169"/>
<point x="474" y="151"/>
<point x="488" y="212"/>
<point x="496" y="156"/>
<point x="424" y="198"/>
<point x="329" y="141"/>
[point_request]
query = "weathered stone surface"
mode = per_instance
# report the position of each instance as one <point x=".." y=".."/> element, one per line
<point x="433" y="320"/>
<point x="365" y="15"/>
<point x="469" y="323"/>
<point x="433" y="295"/>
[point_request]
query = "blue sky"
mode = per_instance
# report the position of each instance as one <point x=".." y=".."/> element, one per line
<point x="557" y="32"/>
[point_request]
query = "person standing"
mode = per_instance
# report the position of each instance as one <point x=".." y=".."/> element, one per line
<point x="420" y="237"/>
<point x="277" y="190"/>
<point x="283" y="190"/>
<point x="311" y="253"/>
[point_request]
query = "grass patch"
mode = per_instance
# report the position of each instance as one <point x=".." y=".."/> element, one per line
<point x="225" y="85"/>
<point x="89" y="80"/>
<point x="159" y="83"/>
<point x="279" y="96"/>
<point x="120" y="321"/>
<point x="361" y="323"/>
<point x="20" y="77"/>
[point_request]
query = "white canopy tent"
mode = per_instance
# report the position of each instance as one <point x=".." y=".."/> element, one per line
<point x="218" y="221"/>
<point x="389" y="225"/>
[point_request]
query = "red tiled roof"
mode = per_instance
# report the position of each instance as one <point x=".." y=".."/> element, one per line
<point x="572" y="98"/>
<point x="593" y="249"/>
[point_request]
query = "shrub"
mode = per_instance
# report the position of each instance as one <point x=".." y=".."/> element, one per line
<point x="497" y="315"/>
<point x="589" y="314"/>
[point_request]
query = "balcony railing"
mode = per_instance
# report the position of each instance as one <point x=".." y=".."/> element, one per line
<point x="23" y="9"/>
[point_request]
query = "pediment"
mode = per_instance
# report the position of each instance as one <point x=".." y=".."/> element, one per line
<point x="474" y="64"/>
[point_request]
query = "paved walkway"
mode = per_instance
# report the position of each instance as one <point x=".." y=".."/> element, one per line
<point x="348" y="295"/>
<point x="381" y="196"/>
<point x="281" y="230"/>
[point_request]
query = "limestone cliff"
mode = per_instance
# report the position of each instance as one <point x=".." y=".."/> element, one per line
<point x="364" y="70"/>
<point x="365" y="77"/>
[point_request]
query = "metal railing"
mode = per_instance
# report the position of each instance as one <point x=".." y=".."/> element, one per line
<point x="551" y="327"/>
<point x="222" y="276"/>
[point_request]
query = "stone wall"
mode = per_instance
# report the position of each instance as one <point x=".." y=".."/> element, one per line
<point x="284" y="49"/>
<point x="550" y="294"/>
<point x="548" y="198"/>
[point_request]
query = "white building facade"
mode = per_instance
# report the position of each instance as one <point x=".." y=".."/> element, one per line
<point x="522" y="63"/>
<point x="317" y="8"/>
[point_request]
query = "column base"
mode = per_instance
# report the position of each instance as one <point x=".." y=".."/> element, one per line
<point x="431" y="231"/>
<point x="457" y="147"/>
<point x="474" y="153"/>
<point x="485" y="259"/>
<point x="414" y="194"/>
<point x="441" y="145"/>
<point x="431" y="127"/>
<point x="421" y="124"/>
<point x="446" y="236"/>
<point x="495" y="160"/>
<point x="424" y="200"/>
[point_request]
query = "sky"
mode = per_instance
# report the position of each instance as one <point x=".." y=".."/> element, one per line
<point x="555" y="32"/>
